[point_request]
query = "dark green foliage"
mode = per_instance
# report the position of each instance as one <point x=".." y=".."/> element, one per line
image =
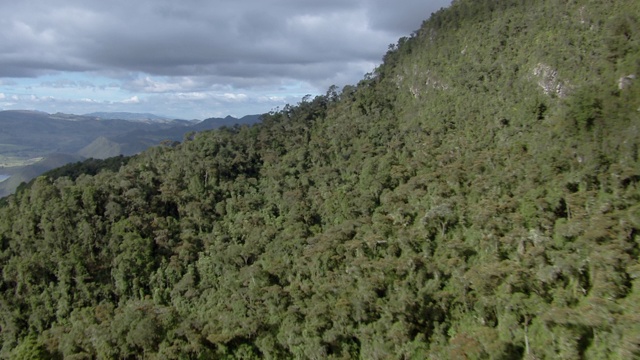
<point x="87" y="167"/>
<point x="477" y="196"/>
<point x="585" y="109"/>
<point x="30" y="349"/>
<point x="74" y="170"/>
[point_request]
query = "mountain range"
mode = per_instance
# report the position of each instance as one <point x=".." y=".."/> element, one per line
<point x="119" y="115"/>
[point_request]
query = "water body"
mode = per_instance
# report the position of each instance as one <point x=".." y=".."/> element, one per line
<point x="3" y="177"/>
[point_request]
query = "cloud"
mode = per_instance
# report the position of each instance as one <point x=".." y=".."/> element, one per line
<point x="131" y="100"/>
<point x="234" y="97"/>
<point x="198" y="50"/>
<point x="201" y="38"/>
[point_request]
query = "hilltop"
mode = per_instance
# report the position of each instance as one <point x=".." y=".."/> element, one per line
<point x="477" y="196"/>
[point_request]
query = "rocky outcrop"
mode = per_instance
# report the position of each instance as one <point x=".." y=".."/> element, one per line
<point x="625" y="81"/>
<point x="549" y="80"/>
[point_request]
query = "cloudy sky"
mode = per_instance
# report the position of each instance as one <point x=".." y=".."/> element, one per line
<point x="191" y="59"/>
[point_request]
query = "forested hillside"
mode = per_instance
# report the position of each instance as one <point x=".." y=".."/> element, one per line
<point x="476" y="197"/>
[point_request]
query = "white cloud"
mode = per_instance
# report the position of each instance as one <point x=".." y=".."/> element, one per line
<point x="193" y="96"/>
<point x="148" y="84"/>
<point x="131" y="100"/>
<point x="234" y="97"/>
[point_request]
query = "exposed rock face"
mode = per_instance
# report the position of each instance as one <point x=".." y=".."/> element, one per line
<point x="625" y="81"/>
<point x="548" y="80"/>
<point x="423" y="81"/>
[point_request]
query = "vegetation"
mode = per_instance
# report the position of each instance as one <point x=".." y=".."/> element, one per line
<point x="477" y="196"/>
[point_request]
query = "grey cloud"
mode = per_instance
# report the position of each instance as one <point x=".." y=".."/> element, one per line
<point x="66" y="83"/>
<point x="388" y="16"/>
<point x="242" y="42"/>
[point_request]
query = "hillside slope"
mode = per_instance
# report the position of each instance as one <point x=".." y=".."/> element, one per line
<point x="477" y="196"/>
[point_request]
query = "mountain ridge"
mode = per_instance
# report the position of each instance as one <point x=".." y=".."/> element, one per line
<point x="130" y="116"/>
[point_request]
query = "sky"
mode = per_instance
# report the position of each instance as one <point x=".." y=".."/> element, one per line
<point x="192" y="59"/>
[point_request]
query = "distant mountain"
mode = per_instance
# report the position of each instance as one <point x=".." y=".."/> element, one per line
<point x="214" y="123"/>
<point x="27" y="134"/>
<point x="143" y="117"/>
<point x="101" y="148"/>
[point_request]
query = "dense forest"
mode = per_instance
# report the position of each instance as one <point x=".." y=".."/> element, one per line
<point x="477" y="196"/>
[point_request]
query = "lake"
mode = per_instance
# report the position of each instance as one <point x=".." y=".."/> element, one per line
<point x="3" y="177"/>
